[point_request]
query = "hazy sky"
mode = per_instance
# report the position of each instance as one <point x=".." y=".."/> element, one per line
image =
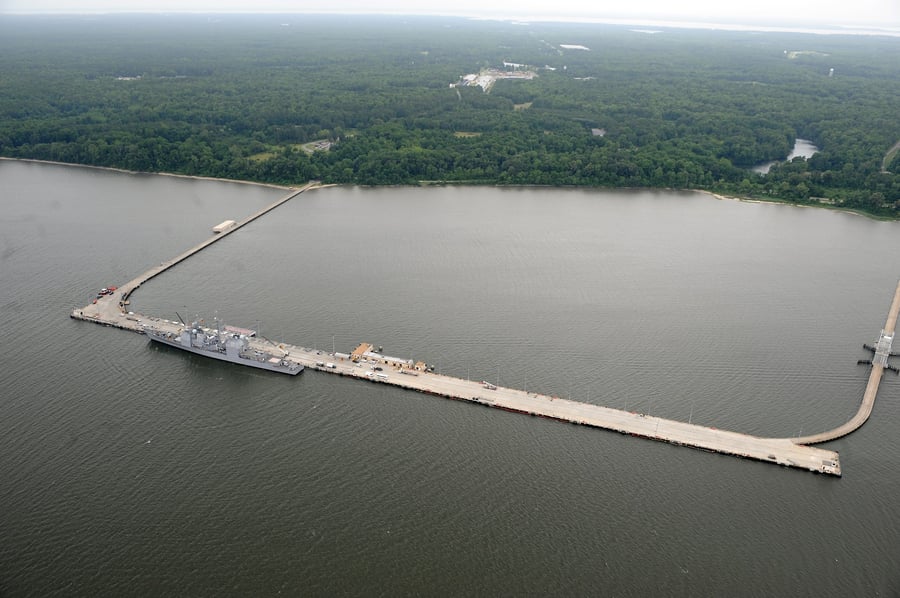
<point x="884" y="13"/>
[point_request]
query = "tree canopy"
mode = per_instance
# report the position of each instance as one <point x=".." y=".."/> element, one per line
<point x="239" y="96"/>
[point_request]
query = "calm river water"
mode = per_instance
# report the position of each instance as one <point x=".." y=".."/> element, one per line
<point x="802" y="147"/>
<point x="128" y="470"/>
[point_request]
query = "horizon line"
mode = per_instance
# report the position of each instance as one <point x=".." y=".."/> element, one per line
<point x="822" y="28"/>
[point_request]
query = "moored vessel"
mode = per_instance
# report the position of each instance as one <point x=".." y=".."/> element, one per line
<point x="230" y="346"/>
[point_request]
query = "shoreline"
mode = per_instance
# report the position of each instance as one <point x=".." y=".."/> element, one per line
<point x="169" y="174"/>
<point x="712" y="194"/>
<point x="783" y="202"/>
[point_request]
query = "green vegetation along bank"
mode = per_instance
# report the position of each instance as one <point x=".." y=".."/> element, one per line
<point x="385" y="100"/>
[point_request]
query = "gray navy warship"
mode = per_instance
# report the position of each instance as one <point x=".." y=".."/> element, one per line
<point x="229" y="345"/>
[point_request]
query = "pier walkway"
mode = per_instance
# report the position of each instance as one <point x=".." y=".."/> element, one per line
<point x="111" y="309"/>
<point x="879" y="362"/>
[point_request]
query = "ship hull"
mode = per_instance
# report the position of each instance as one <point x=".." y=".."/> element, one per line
<point x="262" y="364"/>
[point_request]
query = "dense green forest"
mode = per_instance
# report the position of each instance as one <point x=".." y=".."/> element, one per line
<point x="239" y="96"/>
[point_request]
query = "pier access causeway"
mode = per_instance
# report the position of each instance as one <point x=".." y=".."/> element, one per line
<point x="112" y="310"/>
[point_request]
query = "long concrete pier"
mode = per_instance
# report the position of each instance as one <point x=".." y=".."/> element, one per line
<point x="111" y="310"/>
<point x="772" y="450"/>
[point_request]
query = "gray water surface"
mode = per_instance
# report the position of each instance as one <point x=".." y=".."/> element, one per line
<point x="129" y="469"/>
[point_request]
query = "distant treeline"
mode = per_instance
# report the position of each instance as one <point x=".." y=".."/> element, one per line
<point x="238" y="96"/>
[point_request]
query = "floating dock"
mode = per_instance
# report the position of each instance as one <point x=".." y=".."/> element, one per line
<point x="111" y="310"/>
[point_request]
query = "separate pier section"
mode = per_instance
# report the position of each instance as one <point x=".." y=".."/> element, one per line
<point x="879" y="363"/>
